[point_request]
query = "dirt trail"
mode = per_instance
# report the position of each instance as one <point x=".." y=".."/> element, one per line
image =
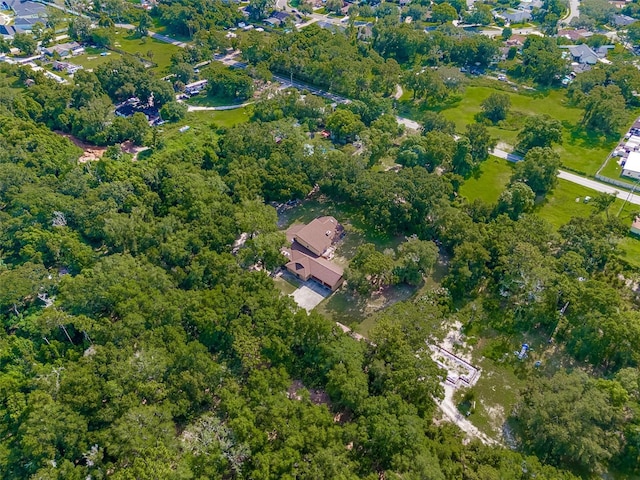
<point x="451" y="413"/>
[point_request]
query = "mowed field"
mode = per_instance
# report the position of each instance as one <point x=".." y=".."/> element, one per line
<point x="567" y="200"/>
<point x="580" y="151"/>
<point x="146" y="48"/>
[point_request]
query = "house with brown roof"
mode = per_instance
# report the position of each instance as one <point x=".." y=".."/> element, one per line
<point x="311" y="247"/>
<point x="318" y="235"/>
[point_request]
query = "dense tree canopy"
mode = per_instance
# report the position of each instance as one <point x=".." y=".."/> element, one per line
<point x="144" y="336"/>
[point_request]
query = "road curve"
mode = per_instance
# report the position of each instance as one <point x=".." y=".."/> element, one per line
<point x="574" y="11"/>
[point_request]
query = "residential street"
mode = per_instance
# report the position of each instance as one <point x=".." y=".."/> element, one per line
<point x="574" y="11"/>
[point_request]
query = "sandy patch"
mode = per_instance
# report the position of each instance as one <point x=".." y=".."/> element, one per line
<point x="90" y="152"/>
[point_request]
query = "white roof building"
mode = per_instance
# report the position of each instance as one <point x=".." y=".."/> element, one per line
<point x="633" y="142"/>
<point x="631" y="167"/>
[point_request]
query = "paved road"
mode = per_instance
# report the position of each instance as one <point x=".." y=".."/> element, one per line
<point x="574" y="11"/>
<point x="600" y="187"/>
<point x="577" y="179"/>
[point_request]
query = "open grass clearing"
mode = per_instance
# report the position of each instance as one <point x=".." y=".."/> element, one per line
<point x="489" y="181"/>
<point x="202" y="123"/>
<point x="158" y="27"/>
<point x="558" y="207"/>
<point x="204" y="100"/>
<point x="92" y="58"/>
<point x="566" y="201"/>
<point x="581" y="150"/>
<point x="612" y="169"/>
<point x="146" y="48"/>
<point x="561" y="205"/>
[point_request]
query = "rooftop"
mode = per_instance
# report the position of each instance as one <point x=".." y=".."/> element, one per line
<point x="308" y="266"/>
<point x="633" y="162"/>
<point x="317" y="235"/>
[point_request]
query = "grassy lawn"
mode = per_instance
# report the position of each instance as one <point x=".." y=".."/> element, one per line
<point x="489" y="182"/>
<point x="146" y="48"/>
<point x="284" y="285"/>
<point x="580" y="151"/>
<point x="559" y="207"/>
<point x="204" y="100"/>
<point x="92" y="59"/>
<point x="566" y="201"/>
<point x="496" y="393"/>
<point x="157" y="27"/>
<point x="202" y="123"/>
<point x="612" y="169"/>
<point x="223" y="118"/>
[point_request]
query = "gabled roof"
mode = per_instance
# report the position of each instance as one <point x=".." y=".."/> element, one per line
<point x="318" y="234"/>
<point x="9" y="30"/>
<point x="584" y="54"/>
<point x="622" y="20"/>
<point x="574" y="34"/>
<point x="317" y="267"/>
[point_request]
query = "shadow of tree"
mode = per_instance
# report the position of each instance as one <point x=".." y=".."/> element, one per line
<point x="583" y="137"/>
<point x="345" y="307"/>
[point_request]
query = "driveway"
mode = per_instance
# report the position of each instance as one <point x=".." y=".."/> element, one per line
<point x="309" y="295"/>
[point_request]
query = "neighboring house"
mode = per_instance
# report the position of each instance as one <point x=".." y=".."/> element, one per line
<point x="54" y="77"/>
<point x="133" y="105"/>
<point x="70" y="68"/>
<point x="9" y="30"/>
<point x="311" y="247"/>
<point x="26" y="13"/>
<point x="585" y="55"/>
<point x="631" y="166"/>
<point x="531" y="4"/>
<point x="331" y="26"/>
<point x="582" y="54"/>
<point x="622" y="20"/>
<point x="195" y="87"/>
<point x="64" y="49"/>
<point x="278" y="18"/>
<point x="575" y="35"/>
<point x="635" y="226"/>
<point x="515" y="16"/>
<point x="274" y="22"/>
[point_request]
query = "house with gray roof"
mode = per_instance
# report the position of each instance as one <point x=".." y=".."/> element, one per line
<point x="582" y="54"/>
<point x="515" y="16"/>
<point x="622" y="20"/>
<point x="27" y="14"/>
<point x="585" y="55"/>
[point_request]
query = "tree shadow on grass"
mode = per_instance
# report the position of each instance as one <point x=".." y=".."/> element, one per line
<point x="583" y="137"/>
<point x="344" y="307"/>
